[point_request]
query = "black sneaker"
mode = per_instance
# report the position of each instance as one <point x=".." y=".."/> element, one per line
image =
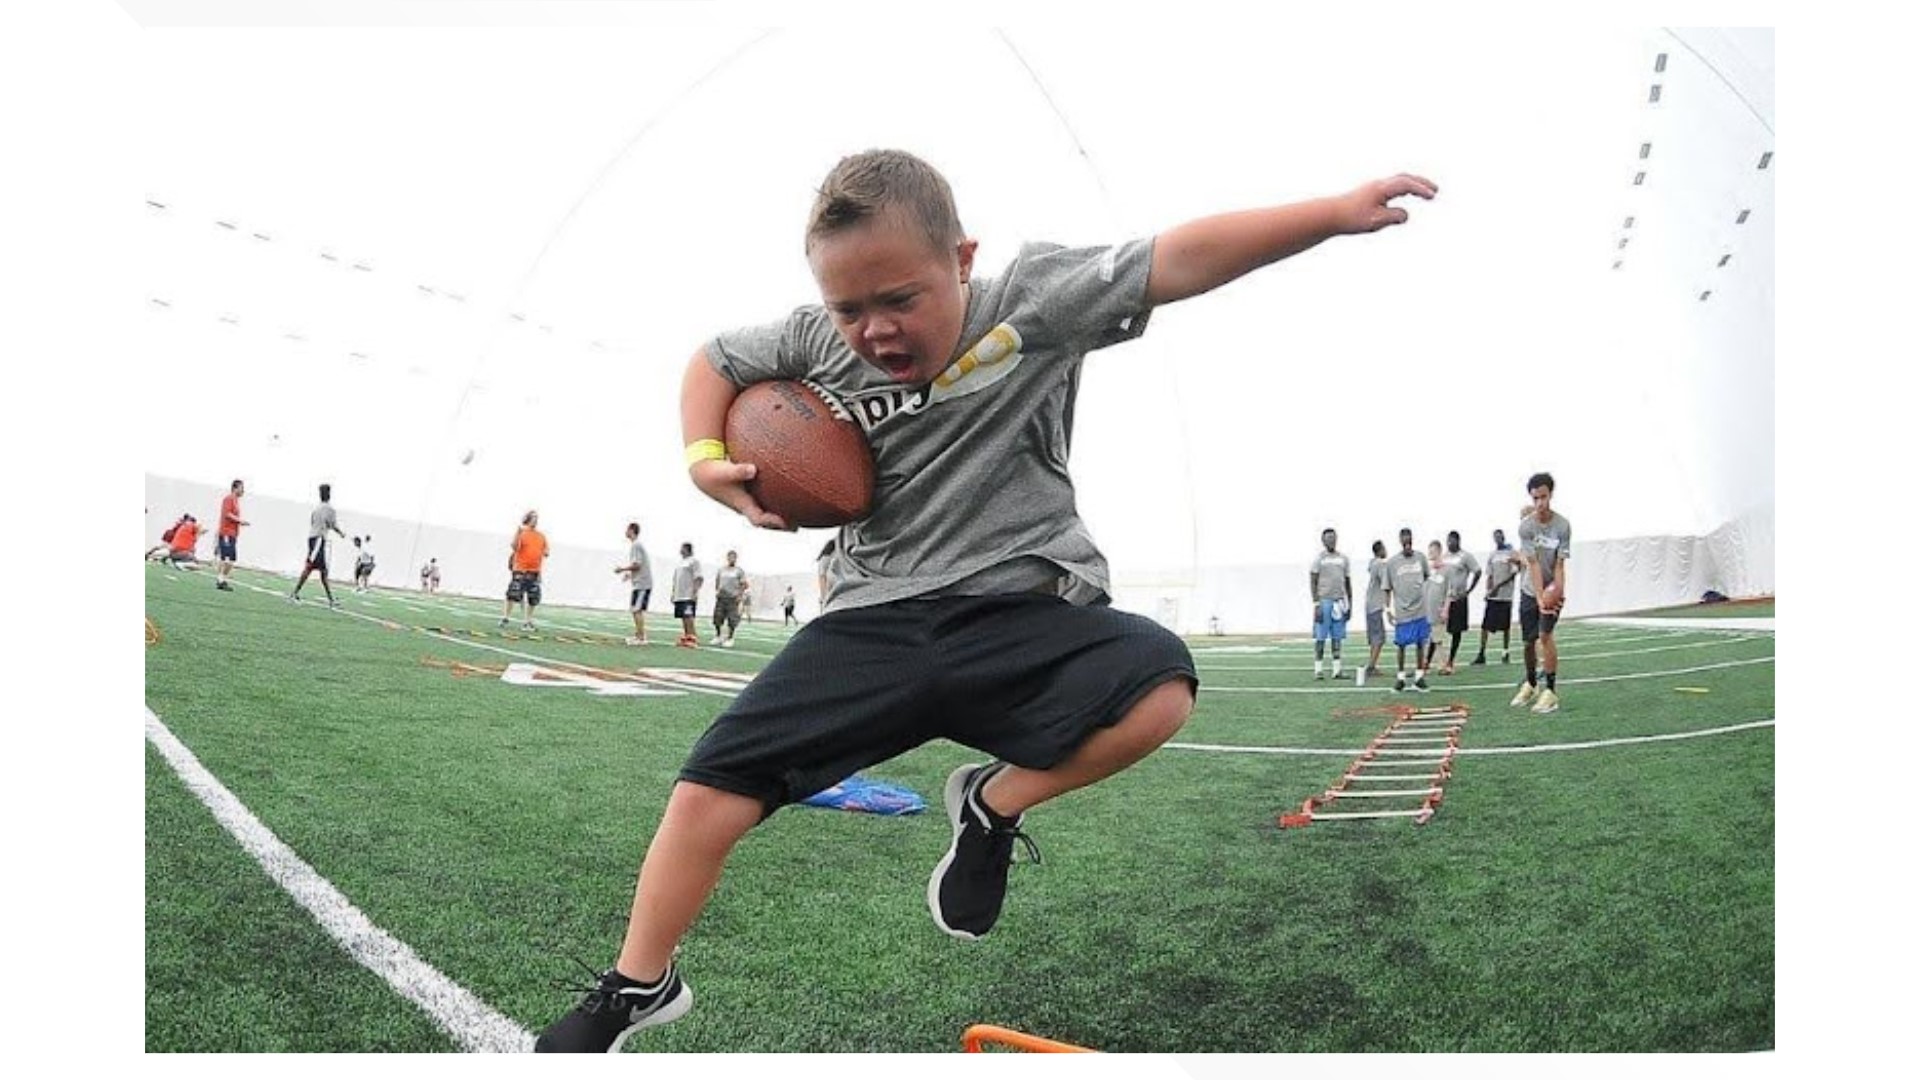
<point x="613" y="1009"/>
<point x="1479" y="661"/>
<point x="970" y="882"/>
<point x="1420" y="684"/>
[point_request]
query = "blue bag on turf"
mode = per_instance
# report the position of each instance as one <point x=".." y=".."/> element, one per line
<point x="866" y="796"/>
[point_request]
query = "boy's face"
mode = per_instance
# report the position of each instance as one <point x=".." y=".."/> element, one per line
<point x="1542" y="502"/>
<point x="898" y="303"/>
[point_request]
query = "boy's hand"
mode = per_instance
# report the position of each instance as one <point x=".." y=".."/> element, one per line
<point x="1365" y="208"/>
<point x="726" y="483"/>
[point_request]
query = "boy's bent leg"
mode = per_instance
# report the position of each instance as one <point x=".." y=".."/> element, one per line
<point x="1062" y="696"/>
<point x="1151" y="722"/>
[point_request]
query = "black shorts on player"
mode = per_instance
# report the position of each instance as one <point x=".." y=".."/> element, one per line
<point x="525" y="584"/>
<point x="1457" y="615"/>
<point x="1533" y="623"/>
<point x="1024" y="677"/>
<point x="1498" y="617"/>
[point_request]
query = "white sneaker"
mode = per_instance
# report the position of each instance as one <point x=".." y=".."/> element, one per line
<point x="631" y="640"/>
<point x="1549" y="702"/>
<point x="1527" y="693"/>
<point x="727" y="644"/>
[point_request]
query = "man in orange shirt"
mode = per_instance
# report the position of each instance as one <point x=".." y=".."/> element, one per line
<point x="226" y="542"/>
<point x="180" y="542"/>
<point x="529" y="551"/>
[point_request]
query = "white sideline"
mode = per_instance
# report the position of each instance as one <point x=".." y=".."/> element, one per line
<point x="1541" y="748"/>
<point x="1444" y="688"/>
<point x="1749" y="624"/>
<point x="472" y="1023"/>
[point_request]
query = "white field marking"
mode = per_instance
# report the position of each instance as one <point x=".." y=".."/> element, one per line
<point x="1541" y="748"/>
<point x="1762" y="624"/>
<point x="1210" y="689"/>
<point x="1716" y="641"/>
<point x="515" y="653"/>
<point x="474" y="1025"/>
<point x="548" y="623"/>
<point x="1356" y="640"/>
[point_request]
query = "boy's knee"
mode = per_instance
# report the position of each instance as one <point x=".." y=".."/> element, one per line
<point x="704" y="803"/>
<point x="1165" y="709"/>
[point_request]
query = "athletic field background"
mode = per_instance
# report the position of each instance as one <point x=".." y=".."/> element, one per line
<point x="1566" y="897"/>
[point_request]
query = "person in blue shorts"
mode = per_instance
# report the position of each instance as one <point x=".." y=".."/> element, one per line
<point x="1330" y="583"/>
<point x="1407" y="574"/>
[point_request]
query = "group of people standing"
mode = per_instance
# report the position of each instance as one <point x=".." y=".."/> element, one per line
<point x="1414" y="592"/>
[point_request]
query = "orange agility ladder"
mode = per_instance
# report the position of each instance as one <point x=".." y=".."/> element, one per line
<point x="1411" y="759"/>
<point x="978" y="1036"/>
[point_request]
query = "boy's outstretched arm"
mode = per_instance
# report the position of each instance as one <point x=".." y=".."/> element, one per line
<point x="705" y="397"/>
<point x="1207" y="253"/>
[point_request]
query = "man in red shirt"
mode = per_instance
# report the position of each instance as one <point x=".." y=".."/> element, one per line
<point x="226" y="542"/>
<point x="529" y="552"/>
<point x="180" y="546"/>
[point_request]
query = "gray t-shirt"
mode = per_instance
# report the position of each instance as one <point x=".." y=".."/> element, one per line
<point x="643" y="566"/>
<point x="321" y="520"/>
<point x="1460" y="573"/>
<point x="1330" y="576"/>
<point x="1437" y="591"/>
<point x="727" y="581"/>
<point x="970" y="470"/>
<point x="686" y="578"/>
<point x="1503" y="566"/>
<point x="1377" y="585"/>
<point x="1407" y="578"/>
<point x="1548" y="543"/>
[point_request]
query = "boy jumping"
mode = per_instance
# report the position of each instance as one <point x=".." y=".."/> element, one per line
<point x="976" y="549"/>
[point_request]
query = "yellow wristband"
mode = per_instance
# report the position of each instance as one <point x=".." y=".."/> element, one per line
<point x="705" y="450"/>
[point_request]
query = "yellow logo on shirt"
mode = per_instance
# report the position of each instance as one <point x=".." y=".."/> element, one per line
<point x="994" y="355"/>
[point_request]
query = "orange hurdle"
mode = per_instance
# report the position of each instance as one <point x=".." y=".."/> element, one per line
<point x="979" y="1035"/>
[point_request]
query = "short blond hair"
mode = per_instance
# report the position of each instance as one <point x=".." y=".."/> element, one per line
<point x="867" y="184"/>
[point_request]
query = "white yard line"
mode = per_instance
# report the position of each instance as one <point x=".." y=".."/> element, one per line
<point x="1383" y="686"/>
<point x="1761" y="624"/>
<point x="474" y="1025"/>
<point x="1715" y="642"/>
<point x="1538" y="748"/>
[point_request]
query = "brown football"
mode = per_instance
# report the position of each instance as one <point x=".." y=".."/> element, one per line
<point x="813" y="467"/>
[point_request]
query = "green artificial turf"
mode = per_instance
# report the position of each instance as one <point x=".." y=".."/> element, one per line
<point x="1614" y="898"/>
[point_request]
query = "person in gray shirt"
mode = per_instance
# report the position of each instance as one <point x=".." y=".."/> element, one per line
<point x="1503" y="567"/>
<point x="1377" y="586"/>
<point x="970" y="603"/>
<point x="1463" y="575"/>
<point x="1407" y="573"/>
<point x="729" y="585"/>
<point x="638" y="572"/>
<point x="1330" y="584"/>
<point x="319" y="524"/>
<point x="1545" y="542"/>
<point x="686" y="596"/>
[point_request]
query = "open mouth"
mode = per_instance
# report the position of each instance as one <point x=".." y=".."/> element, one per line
<point x="898" y="365"/>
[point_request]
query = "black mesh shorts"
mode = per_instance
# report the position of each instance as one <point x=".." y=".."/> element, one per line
<point x="1025" y="678"/>
<point x="1498" y="616"/>
<point x="524" y="584"/>
<point x="1457" y="615"/>
<point x="1532" y="622"/>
